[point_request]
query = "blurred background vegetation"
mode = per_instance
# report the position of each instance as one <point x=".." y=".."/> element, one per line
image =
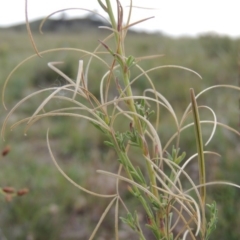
<point x="54" y="209"/>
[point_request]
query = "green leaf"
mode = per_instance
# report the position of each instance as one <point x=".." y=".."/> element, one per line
<point x="98" y="126"/>
<point x="156" y="205"/>
<point x="130" y="61"/>
<point x="129" y="220"/>
<point x="179" y="159"/>
<point x="155" y="230"/>
<point x="138" y="176"/>
<point x="141" y="176"/>
<point x="134" y="144"/>
<point x="211" y="226"/>
<point x="109" y="144"/>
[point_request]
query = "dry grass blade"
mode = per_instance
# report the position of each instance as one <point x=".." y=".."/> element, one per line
<point x="204" y="91"/>
<point x="42" y="53"/>
<point x="180" y="196"/>
<point x="181" y="169"/>
<point x="79" y="77"/>
<point x="166" y="104"/>
<point x="29" y="30"/>
<point x="102" y="218"/>
<point x="138" y="59"/>
<point x="116" y="176"/>
<point x="54" y="114"/>
<point x="66" y="9"/>
<point x="137" y="22"/>
<point x="46" y="100"/>
<point x="70" y="180"/>
<point x="16" y="106"/>
<point x="145" y="8"/>
<point x="129" y="16"/>
<point x="214" y="183"/>
<point x="58" y="71"/>
<point x="214" y="126"/>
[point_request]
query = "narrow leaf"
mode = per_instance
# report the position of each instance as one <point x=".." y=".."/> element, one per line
<point x="198" y="133"/>
<point x="201" y="161"/>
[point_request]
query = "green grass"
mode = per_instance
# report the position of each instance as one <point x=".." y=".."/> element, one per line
<point x="52" y="204"/>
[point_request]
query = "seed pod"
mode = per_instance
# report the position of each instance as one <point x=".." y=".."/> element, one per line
<point x="22" y="192"/>
<point x="8" y="189"/>
<point x="5" y="151"/>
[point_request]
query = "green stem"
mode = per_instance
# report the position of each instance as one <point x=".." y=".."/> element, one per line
<point x="112" y="18"/>
<point x="130" y="102"/>
<point x="125" y="69"/>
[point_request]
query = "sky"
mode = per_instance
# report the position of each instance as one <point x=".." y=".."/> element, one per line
<point x="172" y="17"/>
